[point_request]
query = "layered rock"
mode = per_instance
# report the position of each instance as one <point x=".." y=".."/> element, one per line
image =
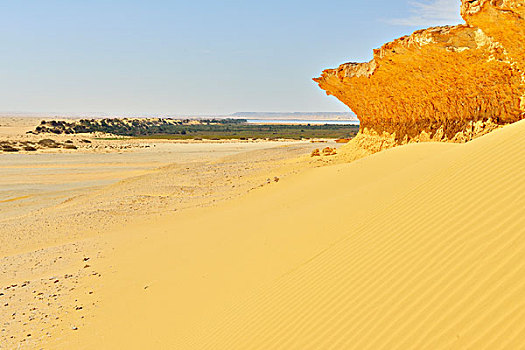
<point x="449" y="83"/>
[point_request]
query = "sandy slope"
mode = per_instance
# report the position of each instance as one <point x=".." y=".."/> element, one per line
<point x="421" y="246"/>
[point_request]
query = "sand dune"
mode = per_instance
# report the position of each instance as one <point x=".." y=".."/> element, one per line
<point x="421" y="246"/>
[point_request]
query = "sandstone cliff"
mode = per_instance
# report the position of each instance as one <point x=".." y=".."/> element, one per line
<point x="449" y="83"/>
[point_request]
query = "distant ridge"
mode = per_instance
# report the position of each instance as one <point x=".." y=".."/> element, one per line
<point x="237" y="115"/>
<point x="296" y="115"/>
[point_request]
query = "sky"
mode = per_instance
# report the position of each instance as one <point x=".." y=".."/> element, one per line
<point x="192" y="57"/>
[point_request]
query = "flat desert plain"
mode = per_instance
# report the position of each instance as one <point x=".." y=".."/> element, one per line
<point x="420" y="246"/>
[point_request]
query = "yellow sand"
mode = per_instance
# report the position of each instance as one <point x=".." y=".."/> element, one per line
<point x="418" y="247"/>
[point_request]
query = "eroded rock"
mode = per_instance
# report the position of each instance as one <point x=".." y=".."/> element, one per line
<point x="450" y="83"/>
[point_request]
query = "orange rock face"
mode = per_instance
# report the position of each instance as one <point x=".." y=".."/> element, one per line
<point x="448" y="83"/>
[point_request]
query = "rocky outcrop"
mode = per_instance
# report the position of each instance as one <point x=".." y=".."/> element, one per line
<point x="449" y="83"/>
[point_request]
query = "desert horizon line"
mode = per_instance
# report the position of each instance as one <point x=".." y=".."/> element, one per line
<point x="238" y="114"/>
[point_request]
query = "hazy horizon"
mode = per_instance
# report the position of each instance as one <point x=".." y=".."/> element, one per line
<point x="178" y="57"/>
<point x="321" y="115"/>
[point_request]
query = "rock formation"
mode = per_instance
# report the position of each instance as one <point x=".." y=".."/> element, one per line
<point x="449" y="83"/>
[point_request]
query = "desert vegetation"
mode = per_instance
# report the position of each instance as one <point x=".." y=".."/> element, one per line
<point x="209" y="129"/>
<point x="31" y="146"/>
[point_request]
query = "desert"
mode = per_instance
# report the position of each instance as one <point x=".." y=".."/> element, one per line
<point x="406" y="231"/>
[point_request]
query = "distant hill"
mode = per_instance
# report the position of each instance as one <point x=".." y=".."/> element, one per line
<point x="237" y="115"/>
<point x="296" y="115"/>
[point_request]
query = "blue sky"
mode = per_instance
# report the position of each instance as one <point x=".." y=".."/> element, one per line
<point x="192" y="57"/>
